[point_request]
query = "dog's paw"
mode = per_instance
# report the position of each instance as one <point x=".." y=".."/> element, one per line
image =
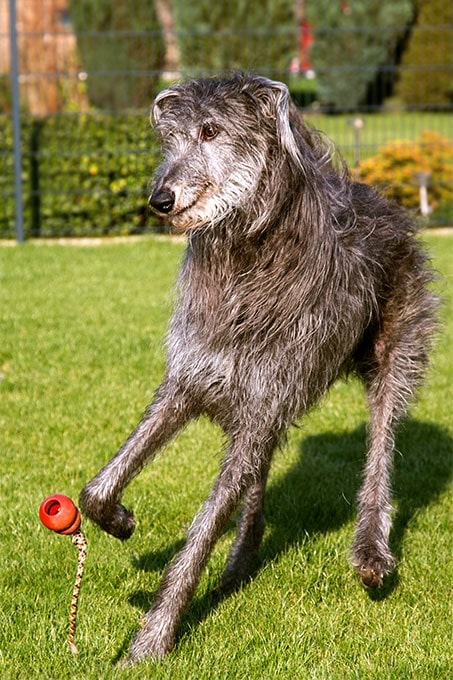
<point x="113" y="518"/>
<point x="372" y="571"/>
<point x="370" y="578"/>
<point x="232" y="581"/>
<point x="120" y="522"/>
<point x="150" y="643"/>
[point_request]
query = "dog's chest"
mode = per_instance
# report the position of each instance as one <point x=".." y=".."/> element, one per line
<point x="238" y="339"/>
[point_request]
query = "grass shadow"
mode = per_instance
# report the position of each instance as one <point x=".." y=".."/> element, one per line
<point x="156" y="560"/>
<point x="317" y="495"/>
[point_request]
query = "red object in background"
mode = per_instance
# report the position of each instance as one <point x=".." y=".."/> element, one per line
<point x="306" y="41"/>
<point x="59" y="513"/>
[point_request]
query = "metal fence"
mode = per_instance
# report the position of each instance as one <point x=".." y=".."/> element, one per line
<point x="77" y="151"/>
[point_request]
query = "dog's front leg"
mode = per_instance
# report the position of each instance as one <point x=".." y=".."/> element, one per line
<point x="100" y="498"/>
<point x="181" y="578"/>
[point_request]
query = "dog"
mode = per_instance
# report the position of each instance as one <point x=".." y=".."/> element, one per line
<point x="294" y="275"/>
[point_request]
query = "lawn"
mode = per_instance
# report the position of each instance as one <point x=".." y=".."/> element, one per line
<point x="379" y="129"/>
<point x="80" y="355"/>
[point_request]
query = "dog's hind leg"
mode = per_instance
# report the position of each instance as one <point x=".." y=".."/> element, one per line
<point x="239" y="472"/>
<point x="249" y="534"/>
<point x="395" y="370"/>
<point x="100" y="498"/>
<point x="371" y="555"/>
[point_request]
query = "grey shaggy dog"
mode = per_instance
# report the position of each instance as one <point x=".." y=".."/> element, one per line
<point x="293" y="276"/>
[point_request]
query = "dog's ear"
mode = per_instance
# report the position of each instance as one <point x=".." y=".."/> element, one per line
<point x="276" y="101"/>
<point x="161" y="100"/>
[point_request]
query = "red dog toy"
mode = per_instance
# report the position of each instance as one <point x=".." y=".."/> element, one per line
<point x="59" y="513"/>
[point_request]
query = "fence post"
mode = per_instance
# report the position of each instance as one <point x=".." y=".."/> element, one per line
<point x="19" y="213"/>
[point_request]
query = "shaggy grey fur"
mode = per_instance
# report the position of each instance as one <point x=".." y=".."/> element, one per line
<point x="293" y="276"/>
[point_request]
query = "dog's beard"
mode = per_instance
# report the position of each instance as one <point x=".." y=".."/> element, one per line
<point x="213" y="207"/>
<point x="215" y="201"/>
<point x="198" y="214"/>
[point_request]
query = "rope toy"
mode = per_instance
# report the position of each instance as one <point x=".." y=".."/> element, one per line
<point x="58" y="513"/>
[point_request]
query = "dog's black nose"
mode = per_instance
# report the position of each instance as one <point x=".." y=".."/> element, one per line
<point x="162" y="200"/>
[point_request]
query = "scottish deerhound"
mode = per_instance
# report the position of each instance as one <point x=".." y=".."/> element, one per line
<point x="293" y="276"/>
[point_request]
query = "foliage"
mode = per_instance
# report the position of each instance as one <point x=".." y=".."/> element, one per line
<point x="303" y="90"/>
<point x="89" y="175"/>
<point x="351" y="41"/>
<point x="236" y="35"/>
<point x="82" y="175"/>
<point x="5" y="94"/>
<point x="426" y="78"/>
<point x="394" y="167"/>
<point x="121" y="50"/>
<point x="81" y="353"/>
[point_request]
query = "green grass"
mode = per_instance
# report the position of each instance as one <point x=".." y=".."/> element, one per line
<point x="379" y="129"/>
<point x="80" y="355"/>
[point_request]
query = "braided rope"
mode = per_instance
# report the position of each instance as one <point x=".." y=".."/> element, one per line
<point x="79" y="540"/>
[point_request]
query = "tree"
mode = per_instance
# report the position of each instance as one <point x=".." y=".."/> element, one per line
<point x="216" y="36"/>
<point x="171" y="62"/>
<point x="426" y="65"/>
<point x="121" y="48"/>
<point x="351" y="41"/>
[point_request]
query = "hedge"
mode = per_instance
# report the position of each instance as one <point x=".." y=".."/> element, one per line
<point x="82" y="175"/>
<point x="88" y="175"/>
<point x="425" y="71"/>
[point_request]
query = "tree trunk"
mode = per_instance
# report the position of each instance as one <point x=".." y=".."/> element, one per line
<point x="171" y="66"/>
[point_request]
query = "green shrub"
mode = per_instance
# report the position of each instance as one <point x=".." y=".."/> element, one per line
<point x="5" y="93"/>
<point x="82" y="175"/>
<point x="121" y="50"/>
<point x="303" y="90"/>
<point x="425" y="78"/>
<point x="214" y="36"/>
<point x="352" y="41"/>
<point x="7" y="178"/>
<point x="394" y="167"/>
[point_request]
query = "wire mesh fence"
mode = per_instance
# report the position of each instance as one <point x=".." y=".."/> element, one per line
<point x="76" y="147"/>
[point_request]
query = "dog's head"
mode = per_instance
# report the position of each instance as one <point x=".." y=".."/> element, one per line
<point x="219" y="137"/>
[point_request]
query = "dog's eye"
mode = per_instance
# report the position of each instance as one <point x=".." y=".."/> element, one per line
<point x="208" y="131"/>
